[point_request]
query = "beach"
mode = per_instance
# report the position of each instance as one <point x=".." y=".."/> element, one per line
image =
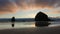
<point x="32" y="30"/>
<point x="28" y="28"/>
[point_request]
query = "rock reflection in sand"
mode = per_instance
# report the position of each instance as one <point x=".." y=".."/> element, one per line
<point x="7" y="25"/>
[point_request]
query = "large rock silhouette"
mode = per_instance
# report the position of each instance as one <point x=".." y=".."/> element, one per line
<point x="41" y="19"/>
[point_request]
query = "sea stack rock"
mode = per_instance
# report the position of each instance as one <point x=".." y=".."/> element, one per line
<point x="41" y="19"/>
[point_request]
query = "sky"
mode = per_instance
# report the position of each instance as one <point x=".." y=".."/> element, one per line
<point x="29" y="8"/>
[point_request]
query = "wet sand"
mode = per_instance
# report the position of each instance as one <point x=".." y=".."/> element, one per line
<point x="32" y="30"/>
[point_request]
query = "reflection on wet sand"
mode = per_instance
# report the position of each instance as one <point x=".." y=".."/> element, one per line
<point x="41" y="23"/>
<point x="7" y="25"/>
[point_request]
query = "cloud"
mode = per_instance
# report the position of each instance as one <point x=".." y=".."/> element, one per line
<point x="12" y="6"/>
<point x="7" y="6"/>
<point x="48" y="3"/>
<point x="53" y="12"/>
<point x="37" y="4"/>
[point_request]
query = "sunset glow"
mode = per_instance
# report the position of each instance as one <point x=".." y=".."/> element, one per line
<point x="31" y="7"/>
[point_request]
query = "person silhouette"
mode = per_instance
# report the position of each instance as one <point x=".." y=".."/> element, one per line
<point x="13" y="20"/>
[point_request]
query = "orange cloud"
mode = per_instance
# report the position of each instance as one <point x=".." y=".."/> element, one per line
<point x="34" y="5"/>
<point x="11" y="6"/>
<point x="54" y="12"/>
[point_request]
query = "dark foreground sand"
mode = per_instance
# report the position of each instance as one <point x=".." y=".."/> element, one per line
<point x="33" y="30"/>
